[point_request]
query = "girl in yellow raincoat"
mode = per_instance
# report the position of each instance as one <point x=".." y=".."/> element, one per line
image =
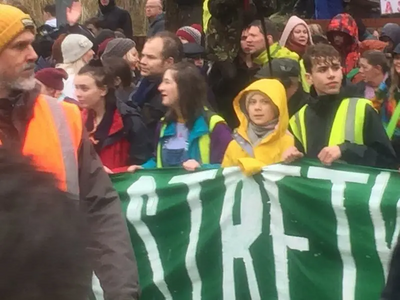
<point x="262" y="136"/>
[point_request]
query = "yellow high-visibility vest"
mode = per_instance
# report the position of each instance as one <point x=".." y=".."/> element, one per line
<point x="204" y="141"/>
<point x="348" y="124"/>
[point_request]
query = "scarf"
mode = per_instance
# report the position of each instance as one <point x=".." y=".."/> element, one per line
<point x="296" y="47"/>
<point x="257" y="133"/>
<point x="146" y="90"/>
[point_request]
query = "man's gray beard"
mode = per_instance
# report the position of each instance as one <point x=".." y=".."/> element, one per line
<point x="21" y="84"/>
<point x="24" y="84"/>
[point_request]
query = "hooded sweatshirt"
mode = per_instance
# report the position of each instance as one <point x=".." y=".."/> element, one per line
<point x="114" y="17"/>
<point x="346" y="24"/>
<point x="270" y="148"/>
<point x="392" y="31"/>
<point x="285" y="38"/>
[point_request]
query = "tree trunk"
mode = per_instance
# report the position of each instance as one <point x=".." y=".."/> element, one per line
<point x="61" y="9"/>
<point x="177" y="16"/>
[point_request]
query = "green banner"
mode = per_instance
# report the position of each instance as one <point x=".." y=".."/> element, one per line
<point x="292" y="232"/>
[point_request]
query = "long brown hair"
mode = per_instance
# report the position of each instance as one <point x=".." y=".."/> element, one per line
<point x="394" y="81"/>
<point x="192" y="93"/>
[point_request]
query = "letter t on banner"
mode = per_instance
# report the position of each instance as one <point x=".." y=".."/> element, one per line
<point x="339" y="179"/>
<point x="196" y="211"/>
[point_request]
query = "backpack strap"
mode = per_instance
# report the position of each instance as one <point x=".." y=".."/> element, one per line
<point x="246" y="146"/>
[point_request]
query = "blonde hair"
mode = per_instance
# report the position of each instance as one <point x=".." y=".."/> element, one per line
<point x="72" y="68"/>
<point x="316" y="29"/>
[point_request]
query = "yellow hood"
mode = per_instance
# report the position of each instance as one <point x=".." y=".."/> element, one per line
<point x="274" y="90"/>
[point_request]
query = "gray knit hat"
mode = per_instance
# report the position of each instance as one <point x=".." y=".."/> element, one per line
<point x="118" y="48"/>
<point x="74" y="47"/>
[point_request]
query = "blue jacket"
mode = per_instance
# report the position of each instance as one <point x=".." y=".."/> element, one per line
<point x="220" y="138"/>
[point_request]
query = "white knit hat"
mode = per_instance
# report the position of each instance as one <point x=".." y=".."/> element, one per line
<point x="74" y="47"/>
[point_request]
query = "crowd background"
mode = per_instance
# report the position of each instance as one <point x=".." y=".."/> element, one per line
<point x="243" y="87"/>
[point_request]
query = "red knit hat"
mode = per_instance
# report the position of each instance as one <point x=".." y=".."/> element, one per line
<point x="189" y="33"/>
<point x="103" y="46"/>
<point x="52" y="78"/>
<point x="198" y="27"/>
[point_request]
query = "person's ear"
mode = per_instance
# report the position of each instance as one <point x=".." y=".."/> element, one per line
<point x="169" y="62"/>
<point x="309" y="79"/>
<point x="117" y="81"/>
<point x="270" y="40"/>
<point x="52" y="92"/>
<point x="104" y="91"/>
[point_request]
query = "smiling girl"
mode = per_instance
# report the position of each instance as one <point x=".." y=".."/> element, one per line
<point x="296" y="36"/>
<point x="190" y="135"/>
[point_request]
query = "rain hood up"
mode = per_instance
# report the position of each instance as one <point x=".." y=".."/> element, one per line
<point x="291" y="24"/>
<point x="346" y="24"/>
<point x="271" y="148"/>
<point x="392" y="31"/>
<point x="107" y="8"/>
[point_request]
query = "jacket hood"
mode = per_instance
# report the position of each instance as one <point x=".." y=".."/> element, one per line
<point x="276" y="92"/>
<point x="346" y="24"/>
<point x="107" y="8"/>
<point x="392" y="31"/>
<point x="291" y="24"/>
<point x="372" y="45"/>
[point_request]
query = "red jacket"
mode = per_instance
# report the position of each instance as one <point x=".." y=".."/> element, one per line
<point x="109" y="139"/>
<point x="346" y="24"/>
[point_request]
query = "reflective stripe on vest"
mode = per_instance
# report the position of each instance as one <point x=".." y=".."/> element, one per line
<point x="204" y="141"/>
<point x="68" y="150"/>
<point x="348" y="124"/>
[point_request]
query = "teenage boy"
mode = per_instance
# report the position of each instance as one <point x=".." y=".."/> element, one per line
<point x="334" y="127"/>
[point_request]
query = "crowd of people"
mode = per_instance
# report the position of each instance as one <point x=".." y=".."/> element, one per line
<point x="103" y="106"/>
<point x="171" y="106"/>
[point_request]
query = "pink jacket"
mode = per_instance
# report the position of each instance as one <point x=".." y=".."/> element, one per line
<point x="291" y="24"/>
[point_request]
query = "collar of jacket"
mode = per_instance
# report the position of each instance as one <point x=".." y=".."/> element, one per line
<point x="23" y="101"/>
<point x="262" y="59"/>
<point x="160" y="17"/>
<point x="199" y="129"/>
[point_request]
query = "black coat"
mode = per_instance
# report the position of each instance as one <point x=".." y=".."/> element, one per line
<point x="392" y="289"/>
<point x="114" y="17"/>
<point x="377" y="150"/>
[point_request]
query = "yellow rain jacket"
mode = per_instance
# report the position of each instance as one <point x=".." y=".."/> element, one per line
<point x="271" y="148"/>
<point x="278" y="51"/>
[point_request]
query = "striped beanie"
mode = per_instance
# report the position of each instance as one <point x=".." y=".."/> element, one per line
<point x="12" y="22"/>
<point x="189" y="33"/>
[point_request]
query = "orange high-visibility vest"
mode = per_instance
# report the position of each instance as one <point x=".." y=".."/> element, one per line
<point x="52" y="140"/>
